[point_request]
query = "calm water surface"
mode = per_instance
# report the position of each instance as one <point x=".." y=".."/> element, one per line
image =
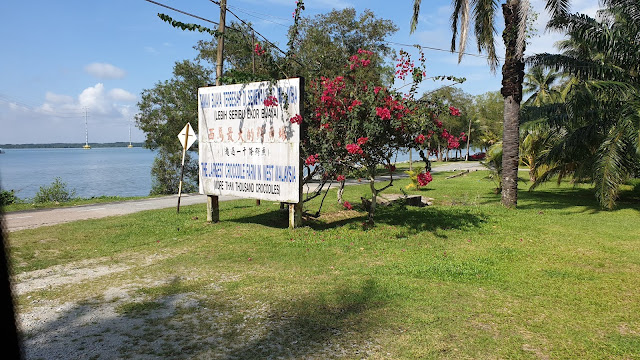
<point x="94" y="172"/>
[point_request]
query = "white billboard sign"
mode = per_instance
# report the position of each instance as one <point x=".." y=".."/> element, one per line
<point x="248" y="145"/>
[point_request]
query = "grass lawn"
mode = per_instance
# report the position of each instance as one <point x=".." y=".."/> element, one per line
<point x="27" y="205"/>
<point x="464" y="278"/>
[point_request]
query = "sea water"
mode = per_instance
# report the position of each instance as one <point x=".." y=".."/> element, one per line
<point x="90" y="172"/>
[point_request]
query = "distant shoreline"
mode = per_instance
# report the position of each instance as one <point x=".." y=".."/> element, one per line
<point x="70" y="145"/>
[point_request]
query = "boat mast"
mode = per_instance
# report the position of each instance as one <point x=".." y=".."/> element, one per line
<point x="130" y="146"/>
<point x="86" y="129"/>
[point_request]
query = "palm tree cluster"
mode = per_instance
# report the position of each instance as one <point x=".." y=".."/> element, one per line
<point x="592" y="122"/>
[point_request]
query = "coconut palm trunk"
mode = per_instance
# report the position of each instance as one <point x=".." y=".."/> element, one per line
<point x="512" y="78"/>
<point x="482" y="14"/>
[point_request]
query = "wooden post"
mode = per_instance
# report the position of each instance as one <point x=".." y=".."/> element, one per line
<point x="213" y="209"/>
<point x="466" y="158"/>
<point x="295" y="215"/>
<point x="295" y="210"/>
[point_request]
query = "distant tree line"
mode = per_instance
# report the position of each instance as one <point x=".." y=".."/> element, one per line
<point x="70" y="145"/>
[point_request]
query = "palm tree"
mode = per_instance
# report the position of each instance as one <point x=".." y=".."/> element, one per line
<point x="600" y="114"/>
<point x="483" y="13"/>
<point x="540" y="84"/>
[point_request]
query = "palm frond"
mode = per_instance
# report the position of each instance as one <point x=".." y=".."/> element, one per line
<point x="557" y="8"/>
<point x="484" y="14"/>
<point x="609" y="170"/>
<point x="523" y="13"/>
<point x="415" y="16"/>
<point x="464" y="27"/>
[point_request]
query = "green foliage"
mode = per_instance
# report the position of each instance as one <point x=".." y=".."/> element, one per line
<point x="189" y="27"/>
<point x="326" y="41"/>
<point x="541" y="86"/>
<point x="493" y="162"/>
<point x="452" y="96"/>
<point x="165" y="173"/>
<point x="164" y="111"/>
<point x="57" y="191"/>
<point x="7" y="197"/>
<point x="599" y="115"/>
<point x="487" y="115"/>
<point x="241" y="63"/>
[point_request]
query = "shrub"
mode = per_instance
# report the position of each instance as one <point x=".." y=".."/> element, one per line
<point x="7" y="197"/>
<point x="56" y="192"/>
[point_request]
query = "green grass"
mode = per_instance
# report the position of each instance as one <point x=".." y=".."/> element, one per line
<point x="464" y="278"/>
<point x="26" y="205"/>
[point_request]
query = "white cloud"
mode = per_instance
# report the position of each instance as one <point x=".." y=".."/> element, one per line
<point x="60" y="118"/>
<point x="94" y="98"/>
<point x="105" y="71"/>
<point x="122" y="95"/>
<point x="151" y="50"/>
<point x="57" y="98"/>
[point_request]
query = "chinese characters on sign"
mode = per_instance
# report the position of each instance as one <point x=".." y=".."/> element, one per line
<point x="248" y="146"/>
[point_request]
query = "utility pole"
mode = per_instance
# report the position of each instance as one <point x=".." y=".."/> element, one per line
<point x="86" y="129"/>
<point x="221" y="27"/>
<point x="213" y="206"/>
<point x="253" y="53"/>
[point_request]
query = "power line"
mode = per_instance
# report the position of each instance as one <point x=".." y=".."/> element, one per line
<point x="189" y="14"/>
<point x="438" y="49"/>
<point x="259" y="34"/>
<point x="42" y="111"/>
<point x="247" y="12"/>
<point x="257" y="12"/>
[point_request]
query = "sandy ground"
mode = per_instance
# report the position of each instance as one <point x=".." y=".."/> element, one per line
<point x="177" y="326"/>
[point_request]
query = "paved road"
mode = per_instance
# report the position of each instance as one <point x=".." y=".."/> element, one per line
<point x="21" y="220"/>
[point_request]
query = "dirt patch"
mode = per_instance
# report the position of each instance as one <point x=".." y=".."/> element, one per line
<point x="76" y="272"/>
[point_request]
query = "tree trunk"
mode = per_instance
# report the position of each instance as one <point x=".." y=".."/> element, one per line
<point x="374" y="194"/>
<point x="512" y="77"/>
<point x="340" y="192"/>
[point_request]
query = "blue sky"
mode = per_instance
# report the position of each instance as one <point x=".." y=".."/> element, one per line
<point x="60" y="57"/>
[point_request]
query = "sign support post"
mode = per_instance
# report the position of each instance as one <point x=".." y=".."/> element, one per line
<point x="188" y="140"/>
<point x="213" y="210"/>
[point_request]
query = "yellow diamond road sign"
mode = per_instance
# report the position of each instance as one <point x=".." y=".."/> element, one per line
<point x="187" y="136"/>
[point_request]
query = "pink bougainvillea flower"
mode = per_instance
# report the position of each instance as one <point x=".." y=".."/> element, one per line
<point x="453" y="111"/>
<point x="420" y="139"/>
<point x="340" y="178"/>
<point x="296" y="119"/>
<point x="354" y="149"/>
<point x="383" y="113"/>
<point x="377" y="89"/>
<point x="424" y="178"/>
<point x="362" y="140"/>
<point x="259" y="50"/>
<point x="347" y="205"/>
<point x="311" y="160"/>
<point x="366" y="62"/>
<point x="438" y="123"/>
<point x="271" y="101"/>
